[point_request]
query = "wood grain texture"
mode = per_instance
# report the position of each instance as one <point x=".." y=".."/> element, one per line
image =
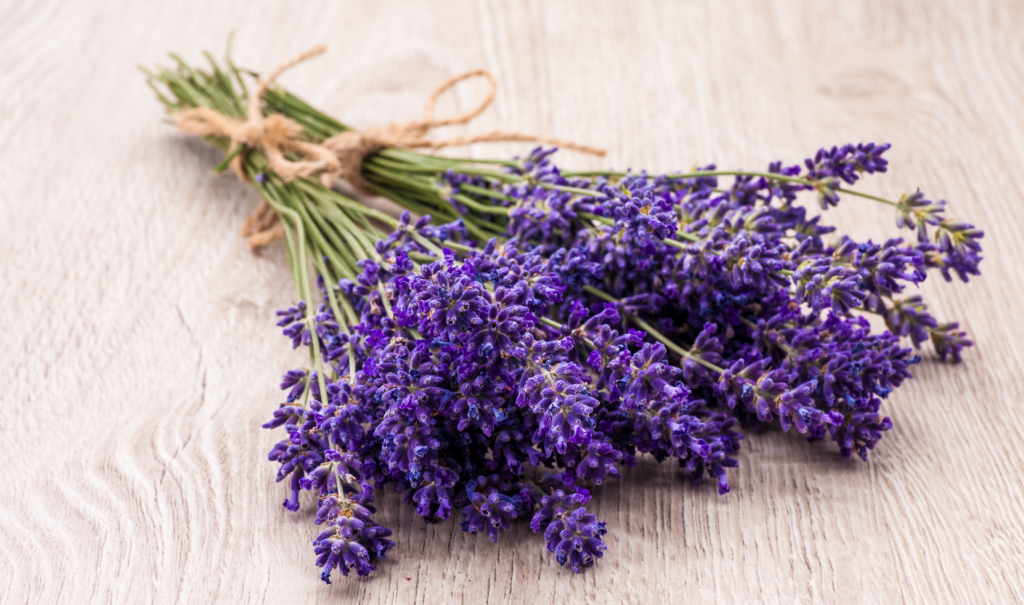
<point x="139" y="355"/>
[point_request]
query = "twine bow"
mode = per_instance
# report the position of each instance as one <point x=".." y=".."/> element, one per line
<point x="341" y="155"/>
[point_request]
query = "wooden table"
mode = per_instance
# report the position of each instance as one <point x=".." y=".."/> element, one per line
<point x="140" y="357"/>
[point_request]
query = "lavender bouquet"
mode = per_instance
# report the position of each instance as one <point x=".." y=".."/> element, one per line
<point x="533" y="331"/>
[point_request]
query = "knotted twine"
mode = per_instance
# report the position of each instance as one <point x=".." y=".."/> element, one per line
<point x="341" y="155"/>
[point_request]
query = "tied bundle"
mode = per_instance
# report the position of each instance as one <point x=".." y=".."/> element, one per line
<point x="535" y="330"/>
<point x="341" y="155"/>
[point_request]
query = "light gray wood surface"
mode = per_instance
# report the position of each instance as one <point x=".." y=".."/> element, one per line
<point x="139" y="355"/>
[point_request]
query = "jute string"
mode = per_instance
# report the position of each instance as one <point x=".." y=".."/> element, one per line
<point x="342" y="155"/>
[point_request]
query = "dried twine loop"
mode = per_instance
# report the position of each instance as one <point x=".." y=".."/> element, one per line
<point x="343" y="154"/>
<point x="353" y="147"/>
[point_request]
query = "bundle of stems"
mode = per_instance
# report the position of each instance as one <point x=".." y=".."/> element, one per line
<point x="531" y="318"/>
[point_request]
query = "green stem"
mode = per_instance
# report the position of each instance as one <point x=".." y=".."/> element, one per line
<point x="480" y="207"/>
<point x="601" y="294"/>
<point x="655" y="333"/>
<point x="678" y="350"/>
<point x="767" y="175"/>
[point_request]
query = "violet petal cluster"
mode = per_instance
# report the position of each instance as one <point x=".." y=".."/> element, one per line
<point x="617" y="316"/>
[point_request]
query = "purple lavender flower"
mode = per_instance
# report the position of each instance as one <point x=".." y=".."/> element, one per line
<point x="433" y="494"/>
<point x="862" y="429"/>
<point x="949" y="340"/>
<point x="576" y="538"/>
<point x="512" y="447"/>
<point x="296" y="381"/>
<point x="563" y="416"/>
<point x="571" y="533"/>
<point x="910" y="317"/>
<point x="597" y="461"/>
<point x="449" y="302"/>
<point x="503" y="326"/>
<point x="825" y="286"/>
<point x="448" y="378"/>
<point x="957" y="249"/>
<point x="294" y="324"/>
<point x="913" y="211"/>
<point x="648" y="378"/>
<point x="847" y="162"/>
<point x="645" y="217"/>
<point x="351" y="543"/>
<point x="489" y="509"/>
<point x="481" y="402"/>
